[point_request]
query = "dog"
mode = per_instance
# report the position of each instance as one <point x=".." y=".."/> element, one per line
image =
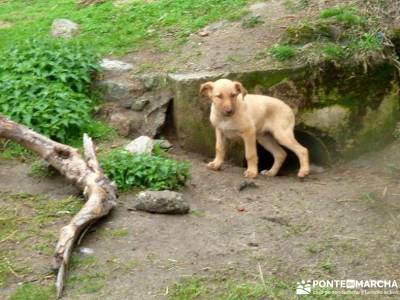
<point x="267" y="120"/>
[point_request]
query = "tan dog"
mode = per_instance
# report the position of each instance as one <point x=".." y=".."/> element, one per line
<point x="267" y="120"/>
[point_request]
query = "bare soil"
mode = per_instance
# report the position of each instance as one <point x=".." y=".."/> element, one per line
<point x="340" y="224"/>
<point x="228" y="46"/>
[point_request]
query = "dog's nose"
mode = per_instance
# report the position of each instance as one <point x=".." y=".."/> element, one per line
<point x="228" y="111"/>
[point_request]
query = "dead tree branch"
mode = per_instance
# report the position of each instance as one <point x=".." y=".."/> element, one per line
<point x="85" y="173"/>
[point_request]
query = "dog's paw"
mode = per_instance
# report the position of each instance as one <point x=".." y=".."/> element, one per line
<point x="250" y="173"/>
<point x="215" y="166"/>
<point x="303" y="173"/>
<point x="268" y="173"/>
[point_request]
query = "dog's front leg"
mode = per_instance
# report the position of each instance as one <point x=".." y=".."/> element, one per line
<point x="219" y="151"/>
<point x="250" y="148"/>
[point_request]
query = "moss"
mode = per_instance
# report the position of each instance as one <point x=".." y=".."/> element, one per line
<point x="377" y="125"/>
<point x="32" y="291"/>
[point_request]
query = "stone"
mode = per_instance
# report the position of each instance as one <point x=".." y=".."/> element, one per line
<point x="64" y="28"/>
<point x="115" y="65"/>
<point x="141" y="145"/>
<point x="162" y="202"/>
<point x="216" y="26"/>
<point x="258" y="6"/>
<point x="123" y="120"/>
<point x="139" y="104"/>
<point x="116" y="90"/>
<point x="246" y="184"/>
<point x="331" y="119"/>
<point x="156" y="113"/>
<point x="164" y="144"/>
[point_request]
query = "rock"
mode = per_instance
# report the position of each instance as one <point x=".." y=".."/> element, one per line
<point x="85" y="250"/>
<point x="124" y="121"/>
<point x="139" y="104"/>
<point x="331" y="119"/>
<point x="141" y="145"/>
<point x="203" y="33"/>
<point x="115" y="90"/>
<point x="216" y="26"/>
<point x="314" y="169"/>
<point x="162" y="202"/>
<point x="64" y="28"/>
<point x="156" y="113"/>
<point x="246" y="184"/>
<point x="164" y="144"/>
<point x="115" y="65"/>
<point x="258" y="6"/>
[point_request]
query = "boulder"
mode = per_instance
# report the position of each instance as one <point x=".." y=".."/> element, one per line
<point x="162" y="202"/>
<point x="115" y="65"/>
<point x="64" y="28"/>
<point x="141" y="145"/>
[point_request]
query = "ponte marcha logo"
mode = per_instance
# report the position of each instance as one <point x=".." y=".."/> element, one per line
<point x="303" y="287"/>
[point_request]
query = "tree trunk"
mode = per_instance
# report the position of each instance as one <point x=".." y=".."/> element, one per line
<point x="85" y="173"/>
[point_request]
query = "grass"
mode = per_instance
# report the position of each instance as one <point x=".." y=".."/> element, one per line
<point x="33" y="291"/>
<point x="337" y="34"/>
<point x="40" y="170"/>
<point x="282" y="52"/>
<point x="115" y="29"/>
<point x="220" y="287"/>
<point x="26" y="225"/>
<point x="11" y="150"/>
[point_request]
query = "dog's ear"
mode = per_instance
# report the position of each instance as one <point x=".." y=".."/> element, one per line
<point x="240" y="89"/>
<point x="206" y="89"/>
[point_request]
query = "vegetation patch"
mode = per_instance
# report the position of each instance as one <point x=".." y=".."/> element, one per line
<point x="337" y="33"/>
<point x="221" y="287"/>
<point x="32" y="291"/>
<point x="26" y="225"/>
<point x="115" y="28"/>
<point x="144" y="171"/>
<point x="44" y="85"/>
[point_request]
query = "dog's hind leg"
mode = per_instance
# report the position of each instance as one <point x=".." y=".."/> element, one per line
<point x="279" y="154"/>
<point x="287" y="139"/>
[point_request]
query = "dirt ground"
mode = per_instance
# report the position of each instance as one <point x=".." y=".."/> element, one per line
<point x="339" y="224"/>
<point x="229" y="46"/>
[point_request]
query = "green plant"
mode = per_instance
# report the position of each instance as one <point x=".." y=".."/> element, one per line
<point x="333" y="51"/>
<point x="252" y="22"/>
<point x="31" y="291"/>
<point x="116" y="29"/>
<point x="10" y="150"/>
<point x="40" y="170"/>
<point x="43" y="85"/>
<point x="369" y="42"/>
<point x="343" y="14"/>
<point x="144" y="171"/>
<point x="282" y="52"/>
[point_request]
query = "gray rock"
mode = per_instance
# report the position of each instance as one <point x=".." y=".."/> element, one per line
<point x="162" y="202"/>
<point x="331" y="119"/>
<point x="141" y="145"/>
<point x="139" y="104"/>
<point x="246" y="184"/>
<point x="258" y="6"/>
<point x="216" y="26"/>
<point x="124" y="121"/>
<point x="164" y="144"/>
<point x="115" y="90"/>
<point x="64" y="28"/>
<point x="156" y="114"/>
<point x="115" y="65"/>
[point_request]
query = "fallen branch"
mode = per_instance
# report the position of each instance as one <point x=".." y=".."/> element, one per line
<point x="85" y="173"/>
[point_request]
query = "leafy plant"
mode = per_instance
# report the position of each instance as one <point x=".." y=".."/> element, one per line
<point x="144" y="171"/>
<point x="282" y="52"/>
<point x="43" y="85"/>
